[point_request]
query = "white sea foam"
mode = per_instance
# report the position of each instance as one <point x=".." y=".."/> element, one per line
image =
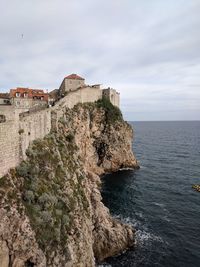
<point x="143" y="237"/>
<point x="143" y="167"/>
<point x="128" y="220"/>
<point x="159" y="204"/>
<point x="126" y="169"/>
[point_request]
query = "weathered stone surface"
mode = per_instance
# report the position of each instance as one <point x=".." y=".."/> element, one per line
<point x="64" y="168"/>
<point x="4" y="254"/>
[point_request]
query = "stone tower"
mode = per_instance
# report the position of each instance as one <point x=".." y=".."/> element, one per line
<point x="71" y="83"/>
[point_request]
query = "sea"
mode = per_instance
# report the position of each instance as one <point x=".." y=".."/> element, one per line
<point x="158" y="199"/>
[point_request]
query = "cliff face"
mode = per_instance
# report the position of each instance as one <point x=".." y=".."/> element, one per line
<point x="51" y="212"/>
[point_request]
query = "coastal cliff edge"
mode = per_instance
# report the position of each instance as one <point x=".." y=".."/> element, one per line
<point x="51" y="210"/>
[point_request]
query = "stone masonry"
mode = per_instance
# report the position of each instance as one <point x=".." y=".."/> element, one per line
<point x="21" y="128"/>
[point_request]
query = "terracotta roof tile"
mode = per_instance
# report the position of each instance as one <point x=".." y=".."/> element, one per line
<point x="74" y="77"/>
<point x="31" y="93"/>
<point x="4" y="95"/>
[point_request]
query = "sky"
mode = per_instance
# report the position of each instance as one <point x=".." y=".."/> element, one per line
<point x="149" y="50"/>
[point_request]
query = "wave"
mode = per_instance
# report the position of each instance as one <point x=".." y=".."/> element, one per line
<point x="159" y="204"/>
<point x="127" y="220"/>
<point x="143" y="237"/>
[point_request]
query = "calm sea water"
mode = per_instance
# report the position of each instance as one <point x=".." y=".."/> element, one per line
<point x="158" y="199"/>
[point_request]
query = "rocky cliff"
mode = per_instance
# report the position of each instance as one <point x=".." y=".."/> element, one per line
<point x="51" y="213"/>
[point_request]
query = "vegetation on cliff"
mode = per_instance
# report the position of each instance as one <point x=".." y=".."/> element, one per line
<point x="112" y="113"/>
<point x="47" y="174"/>
<point x="57" y="188"/>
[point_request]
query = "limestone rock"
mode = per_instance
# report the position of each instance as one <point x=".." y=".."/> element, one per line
<point x="51" y="210"/>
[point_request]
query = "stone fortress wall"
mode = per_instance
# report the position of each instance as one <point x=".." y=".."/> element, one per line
<point x="9" y="146"/>
<point x="112" y="95"/>
<point x="31" y="127"/>
<point x="17" y="133"/>
<point x="26" y="103"/>
<point x="22" y="127"/>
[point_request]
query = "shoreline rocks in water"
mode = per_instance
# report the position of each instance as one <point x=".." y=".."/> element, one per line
<point x="196" y="187"/>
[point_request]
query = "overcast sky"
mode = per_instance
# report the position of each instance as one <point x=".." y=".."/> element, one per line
<point x="149" y="50"/>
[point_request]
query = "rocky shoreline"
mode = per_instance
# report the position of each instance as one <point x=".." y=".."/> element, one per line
<point x="51" y="210"/>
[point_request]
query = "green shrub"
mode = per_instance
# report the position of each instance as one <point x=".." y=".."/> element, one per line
<point x="112" y="112"/>
<point x="23" y="169"/>
<point x="62" y="120"/>
<point x="65" y="220"/>
<point x="29" y="196"/>
<point x="48" y="171"/>
<point x="46" y="216"/>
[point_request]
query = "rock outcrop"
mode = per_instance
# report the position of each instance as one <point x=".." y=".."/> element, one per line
<point x="51" y="213"/>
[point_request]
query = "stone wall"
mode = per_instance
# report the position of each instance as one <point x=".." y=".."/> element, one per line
<point x="4" y="101"/>
<point x="33" y="126"/>
<point x="9" y="146"/>
<point x="112" y="95"/>
<point x="83" y="95"/>
<point x="10" y="112"/>
<point x="17" y="133"/>
<point x="26" y="103"/>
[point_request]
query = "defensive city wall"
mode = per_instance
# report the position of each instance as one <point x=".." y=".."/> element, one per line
<point x="17" y="133"/>
<point x="19" y="128"/>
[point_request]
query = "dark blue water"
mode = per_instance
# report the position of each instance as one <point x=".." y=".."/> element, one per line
<point x="158" y="199"/>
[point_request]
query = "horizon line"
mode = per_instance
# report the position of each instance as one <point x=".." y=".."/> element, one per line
<point x="163" y="120"/>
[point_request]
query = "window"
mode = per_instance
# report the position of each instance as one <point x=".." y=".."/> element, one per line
<point x="17" y="94"/>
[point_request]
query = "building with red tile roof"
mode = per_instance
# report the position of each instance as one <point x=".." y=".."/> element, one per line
<point x="71" y="83"/>
<point x="35" y="94"/>
<point x="27" y="97"/>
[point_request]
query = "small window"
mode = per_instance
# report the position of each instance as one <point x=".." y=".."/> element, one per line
<point x="17" y="94"/>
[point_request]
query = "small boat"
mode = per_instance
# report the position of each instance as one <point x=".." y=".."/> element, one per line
<point x="196" y="187"/>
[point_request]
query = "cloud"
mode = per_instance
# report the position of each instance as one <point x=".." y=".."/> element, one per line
<point x="148" y="50"/>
